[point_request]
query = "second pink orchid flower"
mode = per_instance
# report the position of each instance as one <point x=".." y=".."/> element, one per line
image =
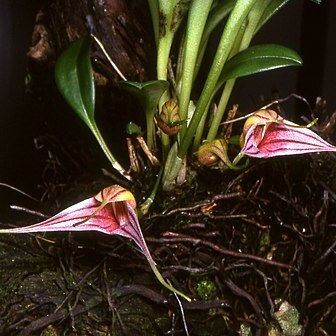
<point x="266" y="134"/>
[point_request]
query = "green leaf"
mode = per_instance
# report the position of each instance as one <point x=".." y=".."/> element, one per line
<point x="258" y="59"/>
<point x="148" y="93"/>
<point x="155" y="14"/>
<point x="216" y="16"/>
<point x="197" y="17"/>
<point x="74" y="79"/>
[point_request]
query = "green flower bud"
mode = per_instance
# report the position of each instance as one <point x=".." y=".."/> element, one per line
<point x="169" y="119"/>
<point x="212" y="153"/>
<point x="215" y="153"/>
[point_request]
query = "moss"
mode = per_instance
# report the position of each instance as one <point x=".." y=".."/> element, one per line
<point x="245" y="330"/>
<point x="288" y="318"/>
<point x="206" y="289"/>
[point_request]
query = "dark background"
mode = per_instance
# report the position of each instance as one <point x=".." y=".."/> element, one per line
<point x="302" y="25"/>
<point x="20" y="163"/>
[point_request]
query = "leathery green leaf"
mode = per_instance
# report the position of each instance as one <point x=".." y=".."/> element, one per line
<point x="74" y="79"/>
<point x="148" y="93"/>
<point x="258" y="59"/>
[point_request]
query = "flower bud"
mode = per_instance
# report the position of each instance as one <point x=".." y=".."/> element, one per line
<point x="212" y="152"/>
<point x="169" y="119"/>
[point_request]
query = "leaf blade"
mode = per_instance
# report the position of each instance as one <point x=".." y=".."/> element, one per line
<point x="258" y="59"/>
<point x="74" y="79"/>
<point x="148" y="93"/>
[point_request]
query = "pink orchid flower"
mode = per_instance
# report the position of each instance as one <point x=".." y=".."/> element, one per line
<point x="111" y="211"/>
<point x="266" y="134"/>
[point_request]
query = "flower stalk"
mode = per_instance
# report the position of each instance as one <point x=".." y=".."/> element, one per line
<point x="236" y="19"/>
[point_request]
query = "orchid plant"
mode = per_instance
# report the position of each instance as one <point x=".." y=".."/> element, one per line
<point x="181" y="127"/>
<point x="178" y="123"/>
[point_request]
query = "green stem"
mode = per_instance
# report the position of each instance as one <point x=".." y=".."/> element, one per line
<point x="226" y="93"/>
<point x="144" y="207"/>
<point x="155" y="14"/>
<point x="165" y="142"/>
<point x="230" y="32"/>
<point x="216" y="16"/>
<point x="237" y="159"/>
<point x="253" y="20"/>
<point x="171" y="14"/>
<point x="241" y="43"/>
<point x="199" y="132"/>
<point x="164" y="46"/>
<point x="150" y="129"/>
<point x="224" y="157"/>
<point x="166" y="34"/>
<point x="220" y="109"/>
<point x="179" y="64"/>
<point x="198" y="13"/>
<point x="115" y="164"/>
<point x="165" y="40"/>
<point x="163" y="282"/>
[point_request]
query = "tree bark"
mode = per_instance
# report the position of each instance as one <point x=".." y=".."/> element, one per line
<point x="122" y="27"/>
